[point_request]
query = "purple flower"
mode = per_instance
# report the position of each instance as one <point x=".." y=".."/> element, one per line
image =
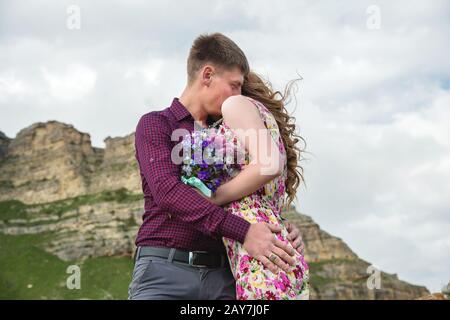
<point x="204" y="165"/>
<point x="207" y="163"/>
<point x="203" y="175"/>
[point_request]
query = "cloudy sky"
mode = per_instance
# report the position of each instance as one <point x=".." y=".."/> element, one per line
<point x="373" y="105"/>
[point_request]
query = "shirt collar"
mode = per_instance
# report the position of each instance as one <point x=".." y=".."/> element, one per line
<point x="179" y="110"/>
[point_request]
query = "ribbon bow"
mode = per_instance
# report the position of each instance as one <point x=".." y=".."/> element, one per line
<point x="196" y="182"/>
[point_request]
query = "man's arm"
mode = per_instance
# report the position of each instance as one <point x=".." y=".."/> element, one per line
<point x="153" y="148"/>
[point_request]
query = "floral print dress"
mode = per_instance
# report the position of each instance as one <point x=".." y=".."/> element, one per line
<point x="253" y="280"/>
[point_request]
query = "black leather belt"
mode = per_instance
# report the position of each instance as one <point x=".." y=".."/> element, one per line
<point x="192" y="258"/>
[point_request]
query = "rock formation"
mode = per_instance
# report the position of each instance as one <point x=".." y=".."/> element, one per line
<point x="53" y="161"/>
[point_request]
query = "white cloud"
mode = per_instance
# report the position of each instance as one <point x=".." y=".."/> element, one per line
<point x="74" y="83"/>
<point x="383" y="187"/>
<point x="10" y="86"/>
<point x="150" y="70"/>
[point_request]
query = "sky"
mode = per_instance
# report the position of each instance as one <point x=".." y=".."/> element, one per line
<point x="373" y="104"/>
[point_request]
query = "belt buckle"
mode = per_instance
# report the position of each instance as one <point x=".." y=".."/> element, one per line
<point x="191" y="258"/>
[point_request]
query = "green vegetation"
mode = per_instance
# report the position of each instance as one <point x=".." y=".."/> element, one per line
<point x="14" y="209"/>
<point x="59" y="207"/>
<point x="318" y="281"/>
<point x="129" y="223"/>
<point x="121" y="195"/>
<point x="6" y="184"/>
<point x="316" y="267"/>
<point x="28" y="272"/>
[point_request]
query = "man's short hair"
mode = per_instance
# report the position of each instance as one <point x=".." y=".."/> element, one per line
<point x="217" y="49"/>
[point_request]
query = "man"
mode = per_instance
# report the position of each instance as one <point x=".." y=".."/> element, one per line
<point x="180" y="254"/>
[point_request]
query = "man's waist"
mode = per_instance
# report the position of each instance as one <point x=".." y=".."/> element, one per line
<point x="196" y="258"/>
<point x="159" y="233"/>
<point x="199" y="244"/>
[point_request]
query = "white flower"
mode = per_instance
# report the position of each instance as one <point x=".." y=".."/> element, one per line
<point x="187" y="170"/>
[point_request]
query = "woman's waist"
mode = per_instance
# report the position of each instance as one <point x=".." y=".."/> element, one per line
<point x="257" y="201"/>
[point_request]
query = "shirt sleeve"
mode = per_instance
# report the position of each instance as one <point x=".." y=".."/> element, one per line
<point x="153" y="151"/>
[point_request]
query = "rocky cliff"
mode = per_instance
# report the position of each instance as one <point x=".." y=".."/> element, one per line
<point x="338" y="273"/>
<point x="53" y="161"/>
<point x="4" y="143"/>
<point x="87" y="202"/>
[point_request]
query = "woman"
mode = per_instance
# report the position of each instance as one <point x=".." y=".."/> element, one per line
<point x="257" y="193"/>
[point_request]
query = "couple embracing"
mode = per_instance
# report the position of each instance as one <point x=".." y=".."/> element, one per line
<point x="234" y="243"/>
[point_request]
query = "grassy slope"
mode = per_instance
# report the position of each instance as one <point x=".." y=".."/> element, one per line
<point x="23" y="262"/>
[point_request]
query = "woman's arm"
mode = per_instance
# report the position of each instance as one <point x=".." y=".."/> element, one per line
<point x="243" y="117"/>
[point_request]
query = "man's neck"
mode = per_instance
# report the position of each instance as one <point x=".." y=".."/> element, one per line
<point x="189" y="99"/>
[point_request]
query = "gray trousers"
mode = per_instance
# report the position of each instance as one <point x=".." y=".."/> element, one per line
<point x="156" y="278"/>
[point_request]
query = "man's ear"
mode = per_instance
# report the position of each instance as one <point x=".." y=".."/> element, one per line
<point x="206" y="74"/>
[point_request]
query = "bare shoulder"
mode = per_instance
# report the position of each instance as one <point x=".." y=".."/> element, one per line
<point x="238" y="105"/>
<point x="239" y="112"/>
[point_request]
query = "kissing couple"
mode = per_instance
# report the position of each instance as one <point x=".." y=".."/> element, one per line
<point x="228" y="240"/>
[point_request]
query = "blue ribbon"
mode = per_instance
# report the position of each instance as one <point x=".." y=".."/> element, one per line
<point x="196" y="182"/>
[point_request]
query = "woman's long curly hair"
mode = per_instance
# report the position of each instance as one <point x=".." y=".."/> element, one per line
<point x="259" y="89"/>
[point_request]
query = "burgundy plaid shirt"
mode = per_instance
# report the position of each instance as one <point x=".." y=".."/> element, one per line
<point x="176" y="216"/>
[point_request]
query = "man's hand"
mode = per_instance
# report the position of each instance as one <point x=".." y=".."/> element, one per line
<point x="261" y="243"/>
<point x="294" y="237"/>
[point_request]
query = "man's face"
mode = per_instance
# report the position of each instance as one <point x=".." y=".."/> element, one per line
<point x="222" y="85"/>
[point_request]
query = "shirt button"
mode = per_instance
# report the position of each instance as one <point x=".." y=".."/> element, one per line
<point x="169" y="216"/>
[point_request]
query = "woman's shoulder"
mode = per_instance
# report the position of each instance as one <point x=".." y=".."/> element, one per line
<point x="238" y="106"/>
<point x="236" y="100"/>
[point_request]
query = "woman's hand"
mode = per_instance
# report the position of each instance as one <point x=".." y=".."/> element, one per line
<point x="295" y="238"/>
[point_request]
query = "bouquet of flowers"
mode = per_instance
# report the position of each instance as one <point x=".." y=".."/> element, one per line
<point x="211" y="157"/>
